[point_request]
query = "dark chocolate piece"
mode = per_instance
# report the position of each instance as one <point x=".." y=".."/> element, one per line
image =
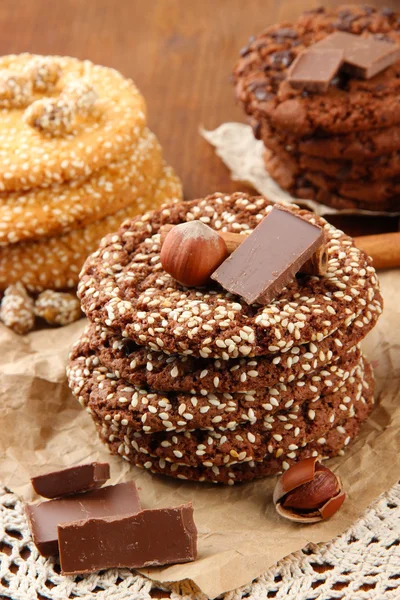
<point x="364" y="56"/>
<point x="81" y="478"/>
<point x="269" y="258"/>
<point x="150" y="538"/>
<point x="44" y="518"/>
<point x="314" y="70"/>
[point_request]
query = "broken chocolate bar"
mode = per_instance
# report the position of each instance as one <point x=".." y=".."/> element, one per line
<point x="81" y="478"/>
<point x="364" y="56"/>
<point x="314" y="70"/>
<point x="45" y="517"/>
<point x="150" y="538"/>
<point x="269" y="258"/>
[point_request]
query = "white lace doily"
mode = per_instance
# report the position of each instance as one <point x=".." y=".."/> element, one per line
<point x="361" y="564"/>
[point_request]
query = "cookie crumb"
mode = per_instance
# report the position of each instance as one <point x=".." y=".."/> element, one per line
<point x="58" y="308"/>
<point x="17" y="309"/>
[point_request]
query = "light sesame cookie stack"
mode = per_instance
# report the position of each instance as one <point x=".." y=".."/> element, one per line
<point x="76" y="159"/>
<point x="195" y="382"/>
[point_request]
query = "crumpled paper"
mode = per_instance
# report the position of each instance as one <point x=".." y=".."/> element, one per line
<point x="42" y="427"/>
<point x="236" y="145"/>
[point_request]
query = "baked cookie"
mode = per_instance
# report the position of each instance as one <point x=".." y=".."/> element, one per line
<point x="357" y="146"/>
<point x="197" y="384"/>
<point x="309" y="185"/>
<point x="62" y="118"/>
<point x="54" y="210"/>
<point x="379" y="169"/>
<point x="143" y="367"/>
<point x="349" y="105"/>
<point x="206" y="454"/>
<point x="124" y="287"/>
<point x="54" y="263"/>
<point x="333" y="443"/>
<point x="152" y="411"/>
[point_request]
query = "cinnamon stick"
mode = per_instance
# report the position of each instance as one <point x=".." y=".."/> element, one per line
<point x="316" y="265"/>
<point x="384" y="249"/>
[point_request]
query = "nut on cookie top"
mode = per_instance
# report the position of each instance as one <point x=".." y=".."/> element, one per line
<point x="62" y="118"/>
<point x="124" y="287"/>
<point x="350" y="104"/>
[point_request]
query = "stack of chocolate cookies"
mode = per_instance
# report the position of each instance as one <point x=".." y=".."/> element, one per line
<point x="76" y="159"/>
<point x="197" y="384"/>
<point x="334" y="139"/>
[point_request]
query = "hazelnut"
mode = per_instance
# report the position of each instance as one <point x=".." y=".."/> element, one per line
<point x="308" y="492"/>
<point x="191" y="252"/>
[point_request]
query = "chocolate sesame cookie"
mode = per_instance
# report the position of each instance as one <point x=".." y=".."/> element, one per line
<point x="54" y="263"/>
<point x="348" y="105"/>
<point x="43" y="212"/>
<point x="333" y="443"/>
<point x="144" y="367"/>
<point x="124" y="287"/>
<point x="152" y="410"/>
<point x="62" y="118"/>
<point x="281" y="438"/>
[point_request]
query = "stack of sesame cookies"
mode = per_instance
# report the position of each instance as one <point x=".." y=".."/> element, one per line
<point x="338" y="145"/>
<point x="195" y="383"/>
<point x="76" y="160"/>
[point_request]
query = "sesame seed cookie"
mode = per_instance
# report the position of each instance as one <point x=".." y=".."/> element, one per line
<point x="54" y="263"/>
<point x="144" y="367"/>
<point x="333" y="443"/>
<point x="245" y="446"/>
<point x="124" y="287"/>
<point x="152" y="410"/>
<point x="106" y="115"/>
<point x="44" y="212"/>
<point x="348" y="105"/>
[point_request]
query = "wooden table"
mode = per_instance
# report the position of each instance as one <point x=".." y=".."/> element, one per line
<point x="179" y="52"/>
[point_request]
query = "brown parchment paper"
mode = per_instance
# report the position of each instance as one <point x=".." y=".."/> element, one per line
<point x="42" y="427"/>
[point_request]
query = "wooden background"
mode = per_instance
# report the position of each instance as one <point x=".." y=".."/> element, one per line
<point x="179" y="52"/>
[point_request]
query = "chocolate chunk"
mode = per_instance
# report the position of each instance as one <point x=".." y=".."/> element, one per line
<point x="150" y="538"/>
<point x="81" y="478"/>
<point x="269" y="258"/>
<point x="313" y="70"/>
<point x="364" y="57"/>
<point x="108" y="501"/>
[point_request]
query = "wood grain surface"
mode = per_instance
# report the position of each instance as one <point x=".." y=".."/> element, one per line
<point x="179" y="52"/>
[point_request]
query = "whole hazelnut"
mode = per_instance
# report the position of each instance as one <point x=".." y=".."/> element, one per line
<point x="191" y="252"/>
<point x="308" y="492"/>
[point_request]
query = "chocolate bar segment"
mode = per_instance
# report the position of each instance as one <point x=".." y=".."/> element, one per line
<point x="150" y="538"/>
<point x="45" y="517"/>
<point x="81" y="478"/>
<point x="364" y="56"/>
<point x="314" y="70"/>
<point x="269" y="258"/>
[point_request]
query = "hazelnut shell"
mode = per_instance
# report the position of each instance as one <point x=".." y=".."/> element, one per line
<point x="299" y="474"/>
